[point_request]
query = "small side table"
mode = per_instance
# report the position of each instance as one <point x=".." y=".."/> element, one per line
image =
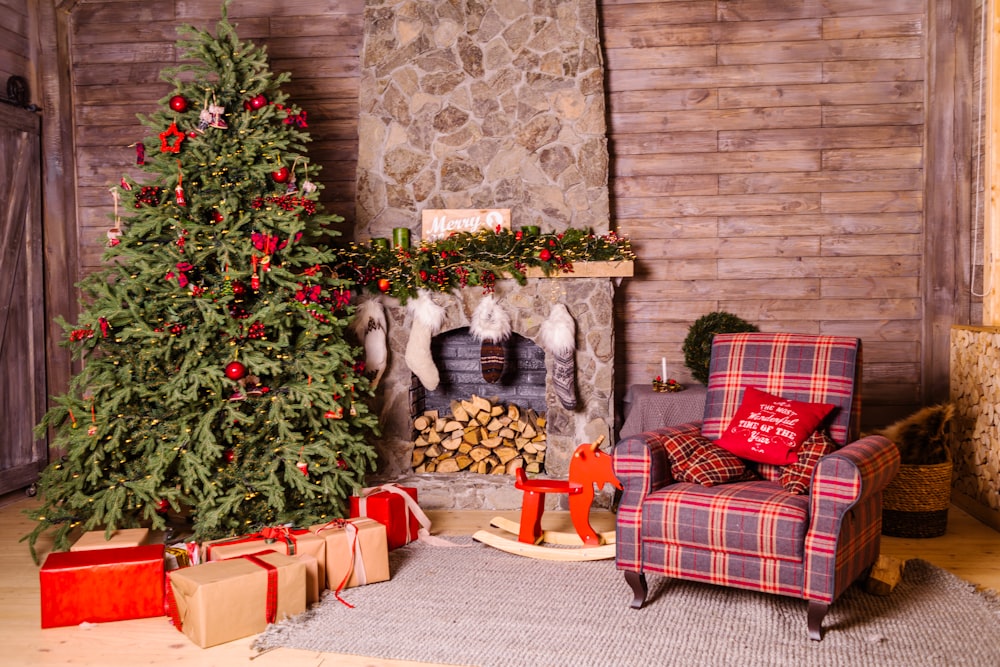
<point x="646" y="410"/>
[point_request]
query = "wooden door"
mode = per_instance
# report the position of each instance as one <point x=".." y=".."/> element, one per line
<point x="22" y="326"/>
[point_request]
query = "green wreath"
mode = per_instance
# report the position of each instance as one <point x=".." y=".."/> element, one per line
<point x="698" y="344"/>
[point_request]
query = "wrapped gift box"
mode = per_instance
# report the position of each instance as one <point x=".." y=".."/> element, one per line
<point x="126" y="537"/>
<point x="225" y="600"/>
<point x="389" y="508"/>
<point x="311" y="547"/>
<point x="101" y="585"/>
<point x="356" y="552"/>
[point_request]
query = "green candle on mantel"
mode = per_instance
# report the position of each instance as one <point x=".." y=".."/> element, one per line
<point x="381" y="243"/>
<point x="400" y="237"/>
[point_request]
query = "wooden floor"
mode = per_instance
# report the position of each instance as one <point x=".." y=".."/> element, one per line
<point x="969" y="549"/>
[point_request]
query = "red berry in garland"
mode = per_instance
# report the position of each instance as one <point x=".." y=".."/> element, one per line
<point x="179" y="103"/>
<point x="235" y="370"/>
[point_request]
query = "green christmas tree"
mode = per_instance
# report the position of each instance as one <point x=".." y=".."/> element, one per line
<point x="218" y="382"/>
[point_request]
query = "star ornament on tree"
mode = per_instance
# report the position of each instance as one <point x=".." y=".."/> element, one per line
<point x="166" y="146"/>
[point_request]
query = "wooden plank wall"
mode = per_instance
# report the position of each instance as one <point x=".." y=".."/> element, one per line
<point x="15" y="50"/>
<point x="768" y="160"/>
<point x="119" y="48"/>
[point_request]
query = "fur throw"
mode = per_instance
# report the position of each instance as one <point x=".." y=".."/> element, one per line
<point x="923" y="438"/>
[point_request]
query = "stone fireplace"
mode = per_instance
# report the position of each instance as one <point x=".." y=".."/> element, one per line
<point x="478" y="105"/>
<point x="589" y="301"/>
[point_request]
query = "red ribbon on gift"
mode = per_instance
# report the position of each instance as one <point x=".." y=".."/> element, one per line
<point x="171" y="607"/>
<point x="271" y="604"/>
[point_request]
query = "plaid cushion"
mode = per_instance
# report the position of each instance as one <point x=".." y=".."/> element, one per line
<point x="812" y="369"/>
<point x="795" y="477"/>
<point x="696" y="459"/>
<point x="751" y="518"/>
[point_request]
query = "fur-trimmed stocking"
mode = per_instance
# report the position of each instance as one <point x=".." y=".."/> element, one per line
<point x="490" y="325"/>
<point x="427" y="318"/>
<point x="369" y="325"/>
<point x="558" y="336"/>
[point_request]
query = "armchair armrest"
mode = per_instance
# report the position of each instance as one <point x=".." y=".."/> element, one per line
<point x="641" y="462"/>
<point x="846" y="514"/>
<point x="642" y="466"/>
<point x="853" y="473"/>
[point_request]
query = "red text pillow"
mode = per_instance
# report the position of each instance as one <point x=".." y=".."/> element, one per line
<point x="771" y="429"/>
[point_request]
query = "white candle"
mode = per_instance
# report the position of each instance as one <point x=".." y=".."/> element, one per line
<point x="663" y="369"/>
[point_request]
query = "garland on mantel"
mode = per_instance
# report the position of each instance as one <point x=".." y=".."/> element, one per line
<point x="475" y="258"/>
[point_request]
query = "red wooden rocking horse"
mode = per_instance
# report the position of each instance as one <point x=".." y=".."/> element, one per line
<point x="589" y="468"/>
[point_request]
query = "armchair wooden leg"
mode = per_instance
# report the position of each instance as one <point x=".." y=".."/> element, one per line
<point x="817" y="610"/>
<point x="639" y="588"/>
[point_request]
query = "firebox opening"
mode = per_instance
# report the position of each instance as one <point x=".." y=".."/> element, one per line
<point x="501" y="426"/>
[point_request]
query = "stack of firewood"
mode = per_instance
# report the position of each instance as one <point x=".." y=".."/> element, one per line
<point x="481" y="436"/>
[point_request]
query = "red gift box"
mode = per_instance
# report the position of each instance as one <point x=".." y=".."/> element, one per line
<point x="401" y="518"/>
<point x="102" y="585"/>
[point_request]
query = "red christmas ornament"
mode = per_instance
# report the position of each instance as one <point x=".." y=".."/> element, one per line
<point x="544" y="254"/>
<point x="235" y="370"/>
<point x="162" y="505"/>
<point x="179" y="103"/>
<point x="384" y="285"/>
<point x="303" y="467"/>
<point x="342" y="464"/>
<point x="281" y="175"/>
<point x="258" y="102"/>
<point x="168" y="146"/>
<point x="229" y="455"/>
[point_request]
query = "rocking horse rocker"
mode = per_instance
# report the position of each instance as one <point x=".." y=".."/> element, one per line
<point x="589" y="468"/>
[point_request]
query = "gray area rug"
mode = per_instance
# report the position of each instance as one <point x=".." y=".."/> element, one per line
<point x="483" y="607"/>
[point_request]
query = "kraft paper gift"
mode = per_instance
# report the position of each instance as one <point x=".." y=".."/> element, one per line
<point x="356" y="552"/>
<point x="126" y="537"/>
<point x="288" y="541"/>
<point x="218" y="602"/>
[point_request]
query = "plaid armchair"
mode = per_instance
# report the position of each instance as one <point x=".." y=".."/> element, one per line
<point x="755" y="534"/>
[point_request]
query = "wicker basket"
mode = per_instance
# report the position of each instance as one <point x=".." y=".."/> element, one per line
<point x="915" y="504"/>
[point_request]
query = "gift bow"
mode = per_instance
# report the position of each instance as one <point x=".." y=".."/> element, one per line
<point x="357" y="562"/>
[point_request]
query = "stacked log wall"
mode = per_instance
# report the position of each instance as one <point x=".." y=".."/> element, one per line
<point x="975" y="358"/>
